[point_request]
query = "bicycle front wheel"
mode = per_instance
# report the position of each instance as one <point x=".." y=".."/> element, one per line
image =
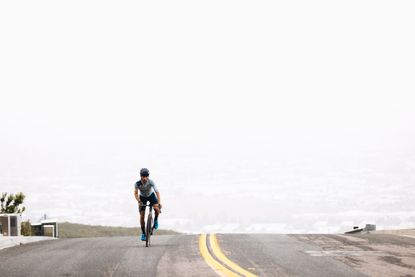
<point x="148" y="229"/>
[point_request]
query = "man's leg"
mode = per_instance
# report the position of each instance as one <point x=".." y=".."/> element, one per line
<point x="156" y="211"/>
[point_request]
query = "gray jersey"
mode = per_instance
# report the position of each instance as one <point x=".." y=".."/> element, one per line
<point x="146" y="189"/>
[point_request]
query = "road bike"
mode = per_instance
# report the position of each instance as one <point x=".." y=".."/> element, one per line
<point x="149" y="226"/>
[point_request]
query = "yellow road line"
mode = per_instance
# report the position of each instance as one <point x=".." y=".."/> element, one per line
<point x="219" y="254"/>
<point x="217" y="267"/>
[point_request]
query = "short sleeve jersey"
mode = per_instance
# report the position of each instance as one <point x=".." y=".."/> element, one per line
<point x="146" y="189"/>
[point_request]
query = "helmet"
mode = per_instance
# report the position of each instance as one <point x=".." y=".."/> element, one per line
<point x="144" y="172"/>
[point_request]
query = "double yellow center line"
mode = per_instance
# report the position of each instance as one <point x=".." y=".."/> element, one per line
<point x="221" y="265"/>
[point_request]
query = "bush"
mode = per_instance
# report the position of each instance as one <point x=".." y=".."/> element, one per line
<point x="26" y="228"/>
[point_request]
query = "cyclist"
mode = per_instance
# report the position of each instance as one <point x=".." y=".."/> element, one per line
<point x="148" y="192"/>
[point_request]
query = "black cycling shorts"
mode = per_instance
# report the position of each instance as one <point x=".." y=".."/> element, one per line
<point x="152" y="198"/>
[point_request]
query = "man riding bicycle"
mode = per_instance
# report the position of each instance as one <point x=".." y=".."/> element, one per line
<point x="148" y="192"/>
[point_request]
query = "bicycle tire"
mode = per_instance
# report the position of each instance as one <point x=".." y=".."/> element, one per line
<point x="148" y="229"/>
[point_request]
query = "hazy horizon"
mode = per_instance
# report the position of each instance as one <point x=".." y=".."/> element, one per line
<point x="287" y="117"/>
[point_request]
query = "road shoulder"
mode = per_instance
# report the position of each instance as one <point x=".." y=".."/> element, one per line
<point x="7" y="242"/>
<point x="374" y="254"/>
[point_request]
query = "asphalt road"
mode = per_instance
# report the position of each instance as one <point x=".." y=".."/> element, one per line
<point x="115" y="256"/>
<point x="281" y="255"/>
<point x="262" y="255"/>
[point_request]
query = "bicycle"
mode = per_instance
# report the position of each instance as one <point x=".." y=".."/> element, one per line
<point x="149" y="227"/>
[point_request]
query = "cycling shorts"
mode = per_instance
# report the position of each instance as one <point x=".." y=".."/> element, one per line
<point x="152" y="198"/>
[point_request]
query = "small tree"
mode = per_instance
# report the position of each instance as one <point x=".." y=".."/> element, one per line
<point x="12" y="203"/>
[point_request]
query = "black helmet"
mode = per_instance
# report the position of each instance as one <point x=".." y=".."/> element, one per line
<point x="144" y="172"/>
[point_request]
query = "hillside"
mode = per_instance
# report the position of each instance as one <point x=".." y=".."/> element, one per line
<point x="75" y="230"/>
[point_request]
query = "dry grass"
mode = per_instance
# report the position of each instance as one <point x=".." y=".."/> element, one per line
<point x="75" y="230"/>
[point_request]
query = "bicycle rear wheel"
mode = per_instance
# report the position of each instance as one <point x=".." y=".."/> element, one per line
<point x="148" y="229"/>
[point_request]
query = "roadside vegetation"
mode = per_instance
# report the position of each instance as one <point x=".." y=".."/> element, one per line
<point x="75" y="230"/>
<point x="26" y="228"/>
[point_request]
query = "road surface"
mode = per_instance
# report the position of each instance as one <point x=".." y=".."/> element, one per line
<point x="216" y="255"/>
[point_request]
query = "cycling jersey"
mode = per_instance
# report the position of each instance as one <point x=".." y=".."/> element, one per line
<point x="146" y="189"/>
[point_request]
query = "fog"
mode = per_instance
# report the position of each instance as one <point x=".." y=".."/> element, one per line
<point x="285" y="117"/>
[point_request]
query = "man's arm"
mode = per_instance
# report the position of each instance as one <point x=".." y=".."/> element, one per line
<point x="136" y="195"/>
<point x="157" y="193"/>
<point x="158" y="198"/>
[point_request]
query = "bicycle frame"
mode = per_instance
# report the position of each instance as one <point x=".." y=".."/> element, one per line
<point x="148" y="225"/>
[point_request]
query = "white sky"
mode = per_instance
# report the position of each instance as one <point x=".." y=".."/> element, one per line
<point x="171" y="77"/>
